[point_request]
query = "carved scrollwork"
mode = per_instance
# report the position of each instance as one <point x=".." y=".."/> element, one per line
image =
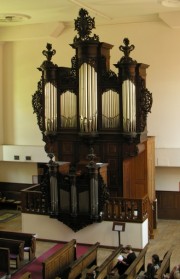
<point x="37" y="104"/>
<point x="91" y="61"/>
<point x="145" y="107"/>
<point x="109" y="81"/>
<point x="146" y="100"/>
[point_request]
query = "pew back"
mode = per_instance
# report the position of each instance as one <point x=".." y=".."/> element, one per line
<point x="137" y="265"/>
<point x="26" y="275"/>
<point x="16" y="248"/>
<point x="165" y="265"/>
<point x="28" y="238"/>
<point x="105" y="268"/>
<point x="5" y="261"/>
<point x="86" y="260"/>
<point x="56" y="263"/>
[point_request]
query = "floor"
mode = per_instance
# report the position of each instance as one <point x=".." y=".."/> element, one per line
<point x="166" y="235"/>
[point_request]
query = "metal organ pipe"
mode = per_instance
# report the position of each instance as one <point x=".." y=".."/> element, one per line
<point x="129" y="106"/>
<point x="94" y="196"/>
<point x="87" y="98"/>
<point x="110" y="109"/>
<point x="54" y="194"/>
<point x="50" y="107"/>
<point x="68" y="110"/>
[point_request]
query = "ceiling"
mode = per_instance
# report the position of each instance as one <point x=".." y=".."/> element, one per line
<point x="15" y="13"/>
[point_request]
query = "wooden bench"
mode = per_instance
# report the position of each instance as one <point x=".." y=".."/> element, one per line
<point x="16" y="249"/>
<point x="4" y="262"/>
<point x="26" y="275"/>
<point x="106" y="267"/>
<point x="28" y="238"/>
<point x="165" y="265"/>
<point x="56" y="263"/>
<point x="75" y="269"/>
<point x="10" y="194"/>
<point x="137" y="265"/>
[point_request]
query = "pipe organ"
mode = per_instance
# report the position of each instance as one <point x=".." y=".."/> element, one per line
<point x="92" y="118"/>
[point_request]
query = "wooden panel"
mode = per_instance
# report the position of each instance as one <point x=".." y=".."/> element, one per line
<point x="56" y="263"/>
<point x="140" y="169"/>
<point x="151" y="168"/>
<point x="168" y="204"/>
<point x="66" y="158"/>
<point x="140" y="189"/>
<point x="134" y="177"/>
<point x="127" y="178"/>
<point x="112" y="149"/>
<point x="140" y="176"/>
<point x="67" y="147"/>
<point x="138" y="173"/>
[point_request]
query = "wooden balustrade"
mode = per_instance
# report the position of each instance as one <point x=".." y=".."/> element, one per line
<point x="116" y="208"/>
<point x="126" y="210"/>
<point x="34" y="201"/>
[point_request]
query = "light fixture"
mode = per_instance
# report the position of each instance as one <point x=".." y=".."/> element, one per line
<point x="170" y="3"/>
<point x="13" y="18"/>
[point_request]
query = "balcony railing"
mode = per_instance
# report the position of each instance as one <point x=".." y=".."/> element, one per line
<point x="34" y="201"/>
<point x="126" y="210"/>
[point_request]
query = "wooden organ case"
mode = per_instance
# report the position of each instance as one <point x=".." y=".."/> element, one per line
<point x="93" y="119"/>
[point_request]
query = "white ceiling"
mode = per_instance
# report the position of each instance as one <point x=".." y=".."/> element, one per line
<point x="15" y="13"/>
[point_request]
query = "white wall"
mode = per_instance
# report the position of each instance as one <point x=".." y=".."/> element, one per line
<point x="167" y="179"/>
<point x="17" y="172"/>
<point x="134" y="234"/>
<point x="1" y="93"/>
<point x="155" y="44"/>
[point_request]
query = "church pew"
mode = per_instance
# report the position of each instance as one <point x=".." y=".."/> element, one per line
<point x="16" y="248"/>
<point x="28" y="238"/>
<point x="4" y="262"/>
<point x="165" y="265"/>
<point x="26" y="275"/>
<point x="75" y="269"/>
<point x="106" y="267"/>
<point x="57" y="262"/>
<point x="137" y="265"/>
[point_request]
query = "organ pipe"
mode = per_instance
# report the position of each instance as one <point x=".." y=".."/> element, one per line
<point x="54" y="195"/>
<point x="129" y="106"/>
<point x="94" y="196"/>
<point x="50" y="107"/>
<point x="110" y="109"/>
<point x="87" y="98"/>
<point x="68" y="105"/>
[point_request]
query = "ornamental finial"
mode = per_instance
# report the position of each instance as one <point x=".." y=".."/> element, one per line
<point x="126" y="49"/>
<point x="84" y="25"/>
<point x="49" y="52"/>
